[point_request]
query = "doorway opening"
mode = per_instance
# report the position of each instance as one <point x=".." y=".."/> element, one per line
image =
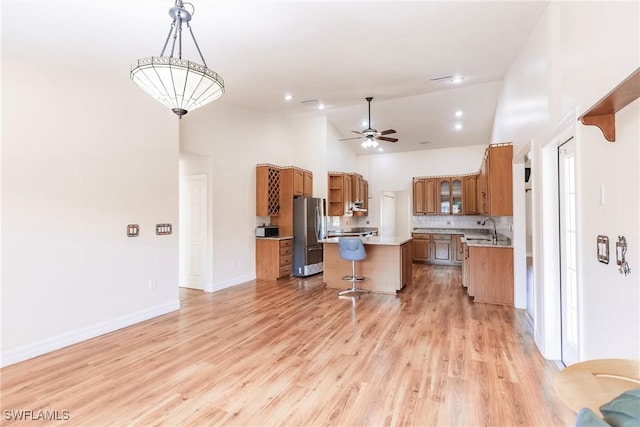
<point x="195" y="242"/>
<point x="568" y="250"/>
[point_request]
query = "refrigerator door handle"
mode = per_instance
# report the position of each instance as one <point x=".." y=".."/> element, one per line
<point x="317" y="223"/>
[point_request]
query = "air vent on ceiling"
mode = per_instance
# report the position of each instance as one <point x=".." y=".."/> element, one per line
<point x="443" y="78"/>
<point x="424" y="142"/>
<point x="309" y="101"/>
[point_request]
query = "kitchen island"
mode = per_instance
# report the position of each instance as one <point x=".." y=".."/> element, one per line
<point x="387" y="268"/>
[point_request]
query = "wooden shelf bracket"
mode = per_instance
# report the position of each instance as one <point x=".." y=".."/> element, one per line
<point x="603" y="113"/>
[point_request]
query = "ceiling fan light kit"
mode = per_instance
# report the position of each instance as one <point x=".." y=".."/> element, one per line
<point x="179" y="84"/>
<point x="371" y="135"/>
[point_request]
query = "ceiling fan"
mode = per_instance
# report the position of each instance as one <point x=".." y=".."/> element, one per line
<point x="371" y="135"/>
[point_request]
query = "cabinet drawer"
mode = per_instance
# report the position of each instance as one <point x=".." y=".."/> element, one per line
<point x="286" y="243"/>
<point x="286" y="260"/>
<point x="286" y="250"/>
<point x="285" y="270"/>
<point x="442" y="237"/>
<point x="421" y="236"/>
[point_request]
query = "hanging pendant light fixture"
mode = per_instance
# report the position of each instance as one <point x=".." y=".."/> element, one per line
<point x="179" y="84"/>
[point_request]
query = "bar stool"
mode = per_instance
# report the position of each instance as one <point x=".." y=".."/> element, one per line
<point x="352" y="249"/>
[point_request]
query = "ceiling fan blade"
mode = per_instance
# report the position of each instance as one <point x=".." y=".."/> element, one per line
<point x="349" y="139"/>
<point x="384" y="138"/>
<point x="359" y="133"/>
<point x="387" y="132"/>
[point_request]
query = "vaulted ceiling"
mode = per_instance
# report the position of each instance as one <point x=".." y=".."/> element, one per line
<point x="333" y="53"/>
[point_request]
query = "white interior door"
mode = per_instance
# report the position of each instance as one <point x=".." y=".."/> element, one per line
<point x="568" y="251"/>
<point x="388" y="214"/>
<point x="193" y="231"/>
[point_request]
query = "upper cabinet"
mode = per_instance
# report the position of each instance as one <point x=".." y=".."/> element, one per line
<point x="470" y="202"/>
<point x="496" y="181"/>
<point x="489" y="192"/>
<point x="425" y="196"/>
<point x="267" y="190"/>
<point x="348" y="194"/>
<point x="302" y="182"/>
<point x="450" y="199"/>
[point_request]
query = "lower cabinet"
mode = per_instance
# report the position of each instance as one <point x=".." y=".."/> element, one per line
<point x="406" y="258"/>
<point x="441" y="249"/>
<point x="490" y="274"/>
<point x="274" y="258"/>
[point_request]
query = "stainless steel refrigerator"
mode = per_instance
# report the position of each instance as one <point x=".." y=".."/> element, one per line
<point x="309" y="226"/>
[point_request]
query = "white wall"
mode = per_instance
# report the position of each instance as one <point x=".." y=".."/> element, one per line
<point x="340" y="155"/>
<point x="236" y="140"/>
<point x="77" y="167"/>
<point x="577" y="53"/>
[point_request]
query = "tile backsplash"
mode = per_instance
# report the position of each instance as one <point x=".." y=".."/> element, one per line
<point x="503" y="223"/>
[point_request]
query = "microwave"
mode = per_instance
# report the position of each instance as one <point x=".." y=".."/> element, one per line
<point x="267" y="231"/>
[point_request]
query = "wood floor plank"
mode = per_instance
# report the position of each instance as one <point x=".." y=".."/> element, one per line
<point x="292" y="353"/>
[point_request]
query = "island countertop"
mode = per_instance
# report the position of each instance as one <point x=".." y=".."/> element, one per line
<point x="376" y="240"/>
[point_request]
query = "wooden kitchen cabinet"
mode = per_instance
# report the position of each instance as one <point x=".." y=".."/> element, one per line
<point x="450" y="196"/>
<point x="274" y="258"/>
<point x="267" y="190"/>
<point x="357" y="188"/>
<point x="421" y="247"/>
<point x="470" y="201"/>
<point x="465" y="268"/>
<point x="490" y="274"/>
<point x="441" y="248"/>
<point x="307" y="184"/>
<point x="495" y="182"/>
<point x="425" y="196"/>
<point x="302" y="182"/>
<point x="406" y="259"/>
<point x="339" y="194"/>
<point x="457" y="253"/>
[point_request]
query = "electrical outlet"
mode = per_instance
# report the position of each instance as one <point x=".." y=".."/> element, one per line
<point x="153" y="284"/>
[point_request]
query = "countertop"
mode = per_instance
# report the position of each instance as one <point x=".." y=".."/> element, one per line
<point x="275" y="238"/>
<point x="376" y="240"/>
<point x="450" y="230"/>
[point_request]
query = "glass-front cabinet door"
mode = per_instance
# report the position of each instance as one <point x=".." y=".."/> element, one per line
<point x="444" y="196"/>
<point x="456" y="196"/>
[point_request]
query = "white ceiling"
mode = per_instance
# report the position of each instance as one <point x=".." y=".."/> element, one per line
<point x="335" y="52"/>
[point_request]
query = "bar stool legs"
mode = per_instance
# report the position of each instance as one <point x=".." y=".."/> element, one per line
<point x="353" y="279"/>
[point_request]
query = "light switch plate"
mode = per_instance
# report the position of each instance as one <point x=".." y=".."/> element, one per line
<point x="133" y="230"/>
<point x="163" y="229"/>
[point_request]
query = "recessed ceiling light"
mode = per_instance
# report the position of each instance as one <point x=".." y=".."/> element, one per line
<point x="365" y="123"/>
<point x="458" y="126"/>
<point x="459" y="113"/>
<point x="457" y="79"/>
<point x="320" y="106"/>
<point x="288" y="97"/>
<point x="380" y="149"/>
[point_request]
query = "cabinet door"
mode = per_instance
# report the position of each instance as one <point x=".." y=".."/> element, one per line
<point x="457" y="206"/>
<point x="307" y="184"/>
<point x="420" y="249"/>
<point x="441" y="251"/>
<point x="431" y="196"/>
<point x="365" y="195"/>
<point x="465" y="268"/>
<point x="419" y="207"/>
<point x="347" y="196"/>
<point x="469" y="195"/>
<point x="298" y="182"/>
<point x="267" y="191"/>
<point x="444" y="196"/>
<point x="457" y="251"/>
<point x="406" y="258"/>
<point x="500" y="180"/>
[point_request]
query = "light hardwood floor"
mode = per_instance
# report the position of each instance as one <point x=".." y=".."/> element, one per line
<point x="292" y="353"/>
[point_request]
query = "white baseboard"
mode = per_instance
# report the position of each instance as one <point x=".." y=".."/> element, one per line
<point x="213" y="287"/>
<point x="47" y="345"/>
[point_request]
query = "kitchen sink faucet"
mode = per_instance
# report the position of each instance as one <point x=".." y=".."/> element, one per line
<point x="495" y="233"/>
